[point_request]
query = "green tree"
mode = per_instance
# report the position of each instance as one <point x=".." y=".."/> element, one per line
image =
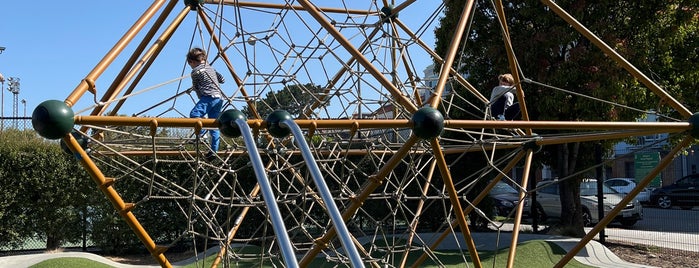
<point x="45" y="192"/>
<point x="293" y="98"/>
<point x="658" y="37"/>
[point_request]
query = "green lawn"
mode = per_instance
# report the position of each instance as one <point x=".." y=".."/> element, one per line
<point x="534" y="253"/>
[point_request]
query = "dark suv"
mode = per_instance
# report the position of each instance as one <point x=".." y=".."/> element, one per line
<point x="684" y="193"/>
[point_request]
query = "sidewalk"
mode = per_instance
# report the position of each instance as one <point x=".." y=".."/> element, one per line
<point x="594" y="253"/>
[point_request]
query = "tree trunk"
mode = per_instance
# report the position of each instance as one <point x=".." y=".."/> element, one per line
<point x="571" y="211"/>
<point x="52" y="242"/>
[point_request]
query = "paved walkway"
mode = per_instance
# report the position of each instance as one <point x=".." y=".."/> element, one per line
<point x="594" y="253"/>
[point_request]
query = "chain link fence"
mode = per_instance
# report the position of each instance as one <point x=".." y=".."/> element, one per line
<point x="20" y="123"/>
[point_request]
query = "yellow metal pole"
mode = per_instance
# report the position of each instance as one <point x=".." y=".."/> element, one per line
<point x="124" y="209"/>
<point x="395" y="92"/>
<point x="418" y="212"/>
<point x="374" y="182"/>
<point x="513" y="62"/>
<point x="664" y="162"/>
<point x="660" y="127"/>
<point x="451" y="54"/>
<point x="462" y="81"/>
<point x="112" y="91"/>
<point x="144" y="64"/>
<point x="520" y="208"/>
<point x="227" y="61"/>
<point x="87" y="84"/>
<point x="286" y="6"/>
<point x="455" y="202"/>
<point x="471" y="207"/>
<point x="619" y="59"/>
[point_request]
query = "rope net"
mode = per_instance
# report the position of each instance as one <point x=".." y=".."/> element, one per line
<point x="279" y="56"/>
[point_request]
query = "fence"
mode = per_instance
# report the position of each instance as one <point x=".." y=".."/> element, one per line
<point x="20" y="123"/>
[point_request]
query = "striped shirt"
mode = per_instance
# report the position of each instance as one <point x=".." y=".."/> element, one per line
<point x="205" y="81"/>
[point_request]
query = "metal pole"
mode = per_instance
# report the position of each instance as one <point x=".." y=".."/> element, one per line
<point x="268" y="195"/>
<point x="600" y="192"/>
<point x="335" y="215"/>
<point x="24" y="120"/>
<point x="2" y="104"/>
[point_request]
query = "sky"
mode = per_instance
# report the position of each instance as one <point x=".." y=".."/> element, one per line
<point x="52" y="45"/>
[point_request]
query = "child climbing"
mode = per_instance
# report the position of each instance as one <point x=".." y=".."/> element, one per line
<point x="502" y="96"/>
<point x="205" y="82"/>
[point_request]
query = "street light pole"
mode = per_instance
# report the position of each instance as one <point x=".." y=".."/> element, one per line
<point x="2" y="101"/>
<point x="2" y="98"/>
<point x="24" y="106"/>
<point x="13" y="87"/>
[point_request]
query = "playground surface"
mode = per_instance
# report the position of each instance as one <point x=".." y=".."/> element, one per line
<point x="594" y="253"/>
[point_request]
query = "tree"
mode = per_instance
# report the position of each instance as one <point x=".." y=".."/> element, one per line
<point x="293" y="98"/>
<point x="45" y="192"/>
<point x="659" y="37"/>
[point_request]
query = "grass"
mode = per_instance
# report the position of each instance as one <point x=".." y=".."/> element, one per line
<point x="72" y="262"/>
<point x="534" y="253"/>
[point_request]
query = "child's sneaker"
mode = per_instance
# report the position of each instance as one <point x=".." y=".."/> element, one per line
<point x="210" y="156"/>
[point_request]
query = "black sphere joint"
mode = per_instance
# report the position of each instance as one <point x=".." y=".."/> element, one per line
<point x="193" y="4"/>
<point x="274" y="123"/>
<point x="694" y="122"/>
<point x="53" y="119"/>
<point x="387" y="12"/>
<point x="428" y="123"/>
<point x="227" y="124"/>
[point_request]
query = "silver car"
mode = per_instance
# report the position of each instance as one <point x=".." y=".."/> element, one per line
<point x="548" y="197"/>
<point x="625" y="185"/>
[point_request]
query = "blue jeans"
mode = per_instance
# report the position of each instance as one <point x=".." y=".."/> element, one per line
<point x="211" y="107"/>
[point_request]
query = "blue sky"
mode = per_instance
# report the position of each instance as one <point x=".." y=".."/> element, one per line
<point x="52" y="45"/>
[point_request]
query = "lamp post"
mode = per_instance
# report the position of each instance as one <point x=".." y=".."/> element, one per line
<point x="2" y="99"/>
<point x="13" y="86"/>
<point x="24" y="107"/>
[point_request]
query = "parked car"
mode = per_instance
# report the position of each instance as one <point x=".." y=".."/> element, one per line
<point x="684" y="193"/>
<point x="506" y="199"/>
<point x="625" y="185"/>
<point x="549" y="199"/>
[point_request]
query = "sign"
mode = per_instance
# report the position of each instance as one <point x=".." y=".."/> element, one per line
<point x="643" y="164"/>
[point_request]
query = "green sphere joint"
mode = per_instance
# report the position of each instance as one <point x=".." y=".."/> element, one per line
<point x="193" y="4"/>
<point x="53" y="119"/>
<point x="227" y="124"/>
<point x="274" y="123"/>
<point x="387" y="12"/>
<point x="694" y="122"/>
<point x="428" y="123"/>
<point x="82" y="140"/>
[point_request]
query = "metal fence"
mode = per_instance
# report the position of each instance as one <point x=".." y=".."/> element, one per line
<point x="20" y="123"/>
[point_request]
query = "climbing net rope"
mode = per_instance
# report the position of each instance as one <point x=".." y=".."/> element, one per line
<point x="351" y="74"/>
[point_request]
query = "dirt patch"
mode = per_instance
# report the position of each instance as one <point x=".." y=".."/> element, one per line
<point x="654" y="256"/>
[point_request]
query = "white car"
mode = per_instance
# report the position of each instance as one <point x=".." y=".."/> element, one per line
<point x="549" y="200"/>
<point x="625" y="185"/>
